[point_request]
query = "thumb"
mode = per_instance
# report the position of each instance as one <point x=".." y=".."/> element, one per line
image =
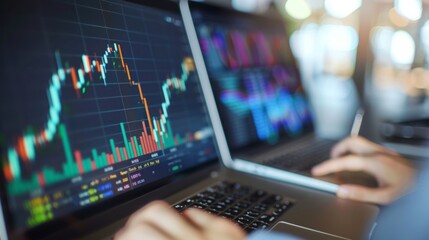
<point x="364" y="194"/>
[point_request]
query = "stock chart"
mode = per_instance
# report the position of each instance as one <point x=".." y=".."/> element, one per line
<point x="256" y="85"/>
<point x="100" y="97"/>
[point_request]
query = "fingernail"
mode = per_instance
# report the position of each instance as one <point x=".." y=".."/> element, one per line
<point x="343" y="192"/>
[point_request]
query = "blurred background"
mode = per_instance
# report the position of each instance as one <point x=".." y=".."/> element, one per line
<point x="372" y="54"/>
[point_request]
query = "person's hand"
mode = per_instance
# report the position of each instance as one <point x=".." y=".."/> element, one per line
<point x="394" y="174"/>
<point x="159" y="221"/>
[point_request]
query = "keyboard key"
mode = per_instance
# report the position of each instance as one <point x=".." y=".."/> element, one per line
<point x="244" y="219"/>
<point x="242" y="225"/>
<point x="259" y="208"/>
<point x="253" y="214"/>
<point x="266" y="218"/>
<point x="229" y="200"/>
<point x="277" y="212"/>
<point x="233" y="211"/>
<point x="281" y="206"/>
<point x="214" y="210"/>
<point x="263" y="226"/>
<point x="222" y="203"/>
<point x="263" y="217"/>
<point x="189" y="201"/>
<point x="271" y="219"/>
<point x="196" y="205"/>
<point x="206" y="201"/>
<point x="179" y="206"/>
<point x="256" y="224"/>
<point x="219" y="207"/>
<point x="241" y="205"/>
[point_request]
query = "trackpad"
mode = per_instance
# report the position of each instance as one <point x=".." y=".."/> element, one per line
<point x="303" y="232"/>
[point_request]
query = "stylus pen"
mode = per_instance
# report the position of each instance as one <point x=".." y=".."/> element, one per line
<point x="357" y="123"/>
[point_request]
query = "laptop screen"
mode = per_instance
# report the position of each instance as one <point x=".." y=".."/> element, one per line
<point x="253" y="74"/>
<point x="98" y="99"/>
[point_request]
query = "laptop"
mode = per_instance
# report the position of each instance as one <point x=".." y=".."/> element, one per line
<point x="260" y="100"/>
<point x="103" y="111"/>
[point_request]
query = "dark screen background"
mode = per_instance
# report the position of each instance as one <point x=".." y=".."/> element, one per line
<point x="97" y="98"/>
<point x="253" y="74"/>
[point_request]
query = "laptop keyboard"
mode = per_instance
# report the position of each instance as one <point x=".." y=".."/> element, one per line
<point x="248" y="207"/>
<point x="303" y="158"/>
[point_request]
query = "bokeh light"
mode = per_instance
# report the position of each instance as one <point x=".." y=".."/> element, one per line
<point x="402" y="49"/>
<point x="341" y="8"/>
<point x="411" y="9"/>
<point x="298" y="9"/>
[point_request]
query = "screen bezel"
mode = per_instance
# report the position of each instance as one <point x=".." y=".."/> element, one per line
<point x="258" y="145"/>
<point x="62" y="223"/>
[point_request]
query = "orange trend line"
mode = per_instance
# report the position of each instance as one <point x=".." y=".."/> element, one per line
<point x="140" y="91"/>
<point x="120" y="55"/>
<point x="147" y="110"/>
<point x="128" y="72"/>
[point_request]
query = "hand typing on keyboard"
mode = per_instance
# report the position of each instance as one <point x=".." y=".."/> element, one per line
<point x="394" y="174"/>
<point x="159" y="221"/>
<point x="246" y="206"/>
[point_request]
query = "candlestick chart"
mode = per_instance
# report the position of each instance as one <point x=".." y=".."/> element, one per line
<point x="157" y="135"/>
<point x="98" y="98"/>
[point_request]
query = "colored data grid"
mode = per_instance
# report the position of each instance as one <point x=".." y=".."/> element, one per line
<point x="256" y="83"/>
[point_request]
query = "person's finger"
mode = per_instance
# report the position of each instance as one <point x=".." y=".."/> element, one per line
<point x="198" y="217"/>
<point x="346" y="163"/>
<point x="136" y="233"/>
<point x="163" y="217"/>
<point x="214" y="224"/>
<point x="365" y="194"/>
<point x="358" y="145"/>
<point x="205" y="220"/>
